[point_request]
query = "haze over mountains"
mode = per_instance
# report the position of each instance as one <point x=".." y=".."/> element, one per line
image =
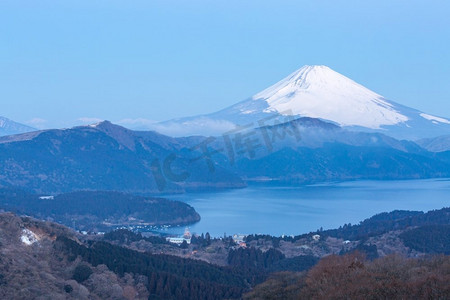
<point x="317" y="92"/>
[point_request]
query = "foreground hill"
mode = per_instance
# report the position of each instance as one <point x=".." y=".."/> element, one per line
<point x="44" y="260"/>
<point x="41" y="260"/>
<point x="353" y="277"/>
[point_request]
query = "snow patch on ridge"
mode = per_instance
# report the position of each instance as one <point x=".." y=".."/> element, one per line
<point x="434" y="118"/>
<point x="319" y="92"/>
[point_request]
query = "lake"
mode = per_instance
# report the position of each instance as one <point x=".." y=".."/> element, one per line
<point x="279" y="210"/>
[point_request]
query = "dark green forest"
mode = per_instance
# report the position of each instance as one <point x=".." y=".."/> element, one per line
<point x="95" y="210"/>
<point x="433" y="239"/>
<point x="376" y="225"/>
<point x="169" y="277"/>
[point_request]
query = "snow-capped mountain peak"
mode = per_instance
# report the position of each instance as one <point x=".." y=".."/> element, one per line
<point x="317" y="92"/>
<point x="320" y="92"/>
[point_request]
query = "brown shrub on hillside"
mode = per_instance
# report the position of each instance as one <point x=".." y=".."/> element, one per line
<point x="353" y="277"/>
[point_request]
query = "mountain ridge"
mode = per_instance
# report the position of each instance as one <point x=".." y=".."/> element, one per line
<point x="105" y="157"/>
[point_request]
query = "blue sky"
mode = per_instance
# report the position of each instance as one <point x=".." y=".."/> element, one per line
<point x="61" y="61"/>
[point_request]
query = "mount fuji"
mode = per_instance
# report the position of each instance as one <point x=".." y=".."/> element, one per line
<point x="317" y="92"/>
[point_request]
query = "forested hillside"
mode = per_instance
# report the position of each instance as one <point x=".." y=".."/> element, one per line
<point x="98" y="210"/>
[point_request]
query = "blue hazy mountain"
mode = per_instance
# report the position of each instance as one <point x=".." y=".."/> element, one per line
<point x="106" y="157"/>
<point x="436" y="144"/>
<point x="310" y="150"/>
<point x="8" y="127"/>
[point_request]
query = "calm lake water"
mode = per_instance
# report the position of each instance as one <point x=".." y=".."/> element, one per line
<point x="279" y="210"/>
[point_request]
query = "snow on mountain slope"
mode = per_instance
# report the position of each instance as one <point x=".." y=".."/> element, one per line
<point x="317" y="92"/>
<point x="435" y="119"/>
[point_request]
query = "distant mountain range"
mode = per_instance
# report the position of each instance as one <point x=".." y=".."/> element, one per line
<point x="328" y="152"/>
<point x="105" y="156"/>
<point x="8" y="127"/>
<point x="317" y="92"/>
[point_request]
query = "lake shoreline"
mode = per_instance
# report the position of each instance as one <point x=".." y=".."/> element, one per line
<point x="279" y="209"/>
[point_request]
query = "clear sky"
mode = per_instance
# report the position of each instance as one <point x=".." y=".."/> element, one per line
<point x="62" y="61"/>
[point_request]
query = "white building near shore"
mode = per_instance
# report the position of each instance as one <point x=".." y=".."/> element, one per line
<point x="178" y="240"/>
